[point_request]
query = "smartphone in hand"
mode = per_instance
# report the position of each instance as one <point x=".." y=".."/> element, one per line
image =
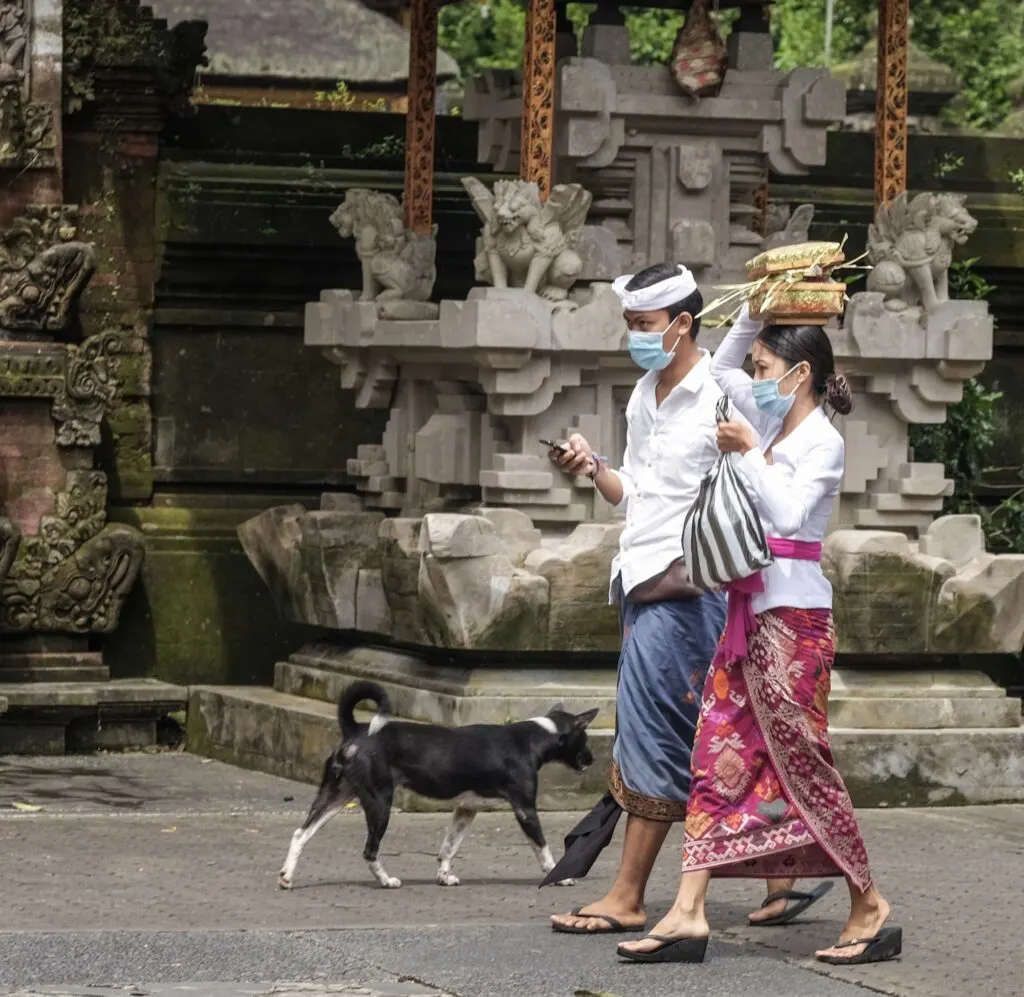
<point x="551" y="445"/>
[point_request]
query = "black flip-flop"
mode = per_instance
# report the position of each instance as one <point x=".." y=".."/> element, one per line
<point x="792" y="911"/>
<point x="671" y="950"/>
<point x="614" y="927"/>
<point x="887" y="944"/>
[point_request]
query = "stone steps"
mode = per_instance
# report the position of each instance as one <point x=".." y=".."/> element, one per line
<point x="290" y="736"/>
<point x="900" y="738"/>
<point x="861" y="699"/>
<point x="448" y="695"/>
<point x="54" y="718"/>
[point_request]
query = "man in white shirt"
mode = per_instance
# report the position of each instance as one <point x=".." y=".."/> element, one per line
<point x="669" y="629"/>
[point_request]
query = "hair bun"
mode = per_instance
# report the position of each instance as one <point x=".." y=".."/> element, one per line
<point x="838" y="394"/>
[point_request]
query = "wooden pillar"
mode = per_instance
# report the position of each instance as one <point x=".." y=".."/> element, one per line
<point x="420" y="117"/>
<point x="538" y="126"/>
<point x="891" y="100"/>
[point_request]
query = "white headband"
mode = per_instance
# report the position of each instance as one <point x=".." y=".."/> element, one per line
<point x="657" y="296"/>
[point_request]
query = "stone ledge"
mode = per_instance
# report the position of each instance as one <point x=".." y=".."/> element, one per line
<point x="897" y="713"/>
<point x="55" y="718"/>
<point x="448" y="696"/>
<point x="116" y="692"/>
<point x="259" y="728"/>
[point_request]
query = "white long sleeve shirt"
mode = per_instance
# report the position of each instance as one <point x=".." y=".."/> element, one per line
<point x="795" y="493"/>
<point x="669" y="448"/>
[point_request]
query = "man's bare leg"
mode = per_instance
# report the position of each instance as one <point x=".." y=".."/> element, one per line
<point x="625" y="900"/>
<point x="776" y="909"/>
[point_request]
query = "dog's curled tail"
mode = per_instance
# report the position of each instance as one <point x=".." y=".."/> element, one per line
<point x="356" y="693"/>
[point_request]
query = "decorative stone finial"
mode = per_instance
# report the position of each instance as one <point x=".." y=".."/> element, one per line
<point x="910" y="246"/>
<point x="398" y="264"/>
<point x="526" y="243"/>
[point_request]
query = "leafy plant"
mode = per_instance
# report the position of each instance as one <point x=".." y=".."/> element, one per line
<point x="341" y="98"/>
<point x="965" y="283"/>
<point x="388" y="147"/>
<point x="949" y="163"/>
<point x="963" y="443"/>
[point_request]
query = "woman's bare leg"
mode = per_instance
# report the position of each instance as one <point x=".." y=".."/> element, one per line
<point x="686" y="919"/>
<point x="869" y="911"/>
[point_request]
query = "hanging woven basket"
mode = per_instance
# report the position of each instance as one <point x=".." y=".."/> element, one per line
<point x="698" y="55"/>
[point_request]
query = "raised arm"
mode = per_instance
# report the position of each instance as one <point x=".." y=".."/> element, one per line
<point x="788" y="503"/>
<point x="727" y="369"/>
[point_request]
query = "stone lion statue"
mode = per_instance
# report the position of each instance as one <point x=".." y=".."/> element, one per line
<point x="526" y="243"/>
<point x="910" y="246"/>
<point x="398" y="265"/>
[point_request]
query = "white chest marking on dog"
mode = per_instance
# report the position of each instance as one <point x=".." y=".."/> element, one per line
<point x="546" y="723"/>
<point x="378" y="721"/>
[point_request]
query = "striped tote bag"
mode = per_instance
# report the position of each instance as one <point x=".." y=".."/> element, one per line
<point x="723" y="540"/>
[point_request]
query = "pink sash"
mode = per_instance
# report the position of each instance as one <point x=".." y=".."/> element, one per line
<point x="740" y="620"/>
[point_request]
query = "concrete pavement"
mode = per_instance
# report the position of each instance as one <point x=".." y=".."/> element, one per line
<point x="155" y="874"/>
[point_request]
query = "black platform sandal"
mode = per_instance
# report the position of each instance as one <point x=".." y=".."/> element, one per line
<point x="671" y="950"/>
<point x="887" y="944"/>
<point x="803" y="901"/>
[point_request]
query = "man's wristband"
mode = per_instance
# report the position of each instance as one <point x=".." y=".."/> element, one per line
<point x="599" y="462"/>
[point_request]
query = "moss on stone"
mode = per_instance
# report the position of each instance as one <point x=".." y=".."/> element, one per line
<point x="199" y="612"/>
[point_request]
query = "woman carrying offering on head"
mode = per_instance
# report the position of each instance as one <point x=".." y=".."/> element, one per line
<point x="765" y="799"/>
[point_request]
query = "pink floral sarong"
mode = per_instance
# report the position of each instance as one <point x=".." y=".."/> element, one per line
<point x="766" y="800"/>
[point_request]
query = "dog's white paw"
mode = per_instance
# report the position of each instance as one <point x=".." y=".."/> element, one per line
<point x="447" y="879"/>
<point x="566" y="882"/>
<point x="283" y="882"/>
<point x="391" y="882"/>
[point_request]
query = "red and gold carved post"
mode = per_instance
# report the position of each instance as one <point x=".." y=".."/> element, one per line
<point x="538" y="127"/>
<point x="420" y="117"/>
<point x="891" y="100"/>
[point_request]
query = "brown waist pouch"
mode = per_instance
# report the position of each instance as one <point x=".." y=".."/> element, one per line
<point x="672" y="585"/>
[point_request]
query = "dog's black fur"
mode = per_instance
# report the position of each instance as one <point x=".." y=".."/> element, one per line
<point x="467" y="765"/>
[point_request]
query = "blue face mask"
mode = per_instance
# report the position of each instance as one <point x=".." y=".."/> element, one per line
<point x="768" y="399"/>
<point x="647" y="349"/>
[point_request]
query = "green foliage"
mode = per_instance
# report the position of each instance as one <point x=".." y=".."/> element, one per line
<point x="652" y="32"/>
<point x="489" y="35"/>
<point x="963" y="443"/>
<point x="983" y="41"/>
<point x="799" y="31"/>
<point x="966" y="283"/>
<point x="949" y="163"/>
<point x="480" y="35"/>
<point x="388" y="147"/>
<point x="341" y="98"/>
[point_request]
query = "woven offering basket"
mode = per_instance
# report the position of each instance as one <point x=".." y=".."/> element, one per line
<point x="806" y="302"/>
<point x="800" y="257"/>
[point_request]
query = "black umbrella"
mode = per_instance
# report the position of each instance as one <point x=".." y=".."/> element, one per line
<point x="586" y="841"/>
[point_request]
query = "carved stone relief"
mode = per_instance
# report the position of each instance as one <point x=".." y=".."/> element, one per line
<point x="72" y="573"/>
<point x="27" y="135"/>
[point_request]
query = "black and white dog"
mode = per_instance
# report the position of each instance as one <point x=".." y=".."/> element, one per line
<point x="467" y="765"/>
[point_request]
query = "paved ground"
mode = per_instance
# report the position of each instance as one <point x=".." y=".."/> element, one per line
<point x="155" y="874"/>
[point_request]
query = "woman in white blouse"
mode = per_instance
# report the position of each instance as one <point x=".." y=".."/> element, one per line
<point x="766" y="800"/>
